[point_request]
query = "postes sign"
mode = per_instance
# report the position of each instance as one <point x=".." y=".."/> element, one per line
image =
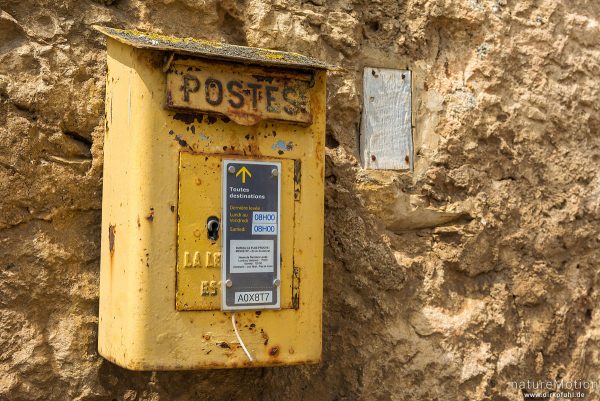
<point x="246" y="95"/>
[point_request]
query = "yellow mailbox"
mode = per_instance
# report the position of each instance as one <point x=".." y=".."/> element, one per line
<point x="212" y="211"/>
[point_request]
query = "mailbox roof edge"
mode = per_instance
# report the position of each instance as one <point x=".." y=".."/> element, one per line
<point x="208" y="49"/>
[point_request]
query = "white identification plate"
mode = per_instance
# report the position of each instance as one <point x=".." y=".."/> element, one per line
<point x="251" y="256"/>
<point x="257" y="297"/>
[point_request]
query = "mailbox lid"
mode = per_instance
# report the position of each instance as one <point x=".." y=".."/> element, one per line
<point x="213" y="50"/>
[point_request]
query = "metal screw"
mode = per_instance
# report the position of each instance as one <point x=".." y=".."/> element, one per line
<point x="231" y="169"/>
<point x="276" y="282"/>
<point x="275" y="172"/>
<point x="228" y="283"/>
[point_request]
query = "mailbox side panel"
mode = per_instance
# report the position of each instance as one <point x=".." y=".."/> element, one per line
<point x="123" y="251"/>
<point x="306" y="324"/>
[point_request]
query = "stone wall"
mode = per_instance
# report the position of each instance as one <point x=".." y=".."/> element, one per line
<point x="476" y="270"/>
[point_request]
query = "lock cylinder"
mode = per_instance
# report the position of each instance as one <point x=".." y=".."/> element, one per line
<point x="212" y="227"/>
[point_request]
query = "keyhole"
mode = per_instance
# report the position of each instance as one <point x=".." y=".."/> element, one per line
<point x="212" y="225"/>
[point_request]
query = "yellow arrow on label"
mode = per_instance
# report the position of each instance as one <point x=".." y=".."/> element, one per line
<point x="244" y="171"/>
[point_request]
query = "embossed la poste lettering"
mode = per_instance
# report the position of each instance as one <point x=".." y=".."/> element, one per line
<point x="201" y="259"/>
<point x="209" y="288"/>
<point x="246" y="96"/>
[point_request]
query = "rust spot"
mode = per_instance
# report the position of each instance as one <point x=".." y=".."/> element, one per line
<point x="297" y="171"/>
<point x="223" y="344"/>
<point x="150" y="216"/>
<point x="407" y="159"/>
<point x="156" y="60"/>
<point x="274" y="350"/>
<point x="297" y="179"/>
<point x="111" y="238"/>
<point x="244" y="118"/>
<point x="181" y="141"/>
<point x="261" y="78"/>
<point x="188" y="118"/>
<point x="265" y="336"/>
<point x="172" y="208"/>
<point x="373" y="157"/>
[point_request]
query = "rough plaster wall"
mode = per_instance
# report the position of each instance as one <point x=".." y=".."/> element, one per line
<point x="478" y="269"/>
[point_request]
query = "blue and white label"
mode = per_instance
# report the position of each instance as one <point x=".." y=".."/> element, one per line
<point x="264" y="217"/>
<point x="264" y="229"/>
<point x="264" y="223"/>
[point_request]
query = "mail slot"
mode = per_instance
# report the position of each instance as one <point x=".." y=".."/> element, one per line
<point x="212" y="211"/>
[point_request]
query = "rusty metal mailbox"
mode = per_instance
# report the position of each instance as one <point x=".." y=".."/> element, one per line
<point x="212" y="213"/>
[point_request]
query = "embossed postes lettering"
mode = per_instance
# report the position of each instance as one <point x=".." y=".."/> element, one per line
<point x="246" y="95"/>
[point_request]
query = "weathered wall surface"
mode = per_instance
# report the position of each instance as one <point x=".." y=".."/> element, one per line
<point x="478" y="269"/>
